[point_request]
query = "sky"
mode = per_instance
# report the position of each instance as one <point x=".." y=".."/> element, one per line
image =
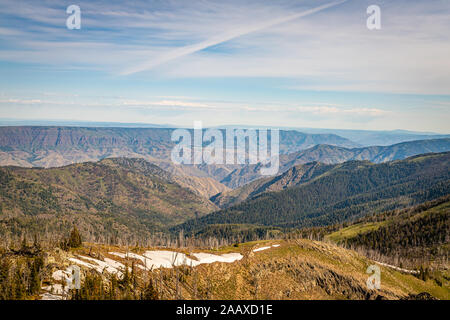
<point x="287" y="63"/>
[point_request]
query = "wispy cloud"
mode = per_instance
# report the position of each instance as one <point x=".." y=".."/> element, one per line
<point x="330" y="110"/>
<point x="331" y="50"/>
<point x="195" y="104"/>
<point x="292" y="62"/>
<point x="166" y="103"/>
<point x="227" y="36"/>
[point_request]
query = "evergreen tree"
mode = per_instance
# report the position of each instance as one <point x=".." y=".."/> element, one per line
<point x="19" y="285"/>
<point x="5" y="266"/>
<point x="74" y="240"/>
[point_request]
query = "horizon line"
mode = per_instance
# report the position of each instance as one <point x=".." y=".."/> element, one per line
<point x="10" y="122"/>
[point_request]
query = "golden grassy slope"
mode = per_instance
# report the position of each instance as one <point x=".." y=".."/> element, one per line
<point x="297" y="269"/>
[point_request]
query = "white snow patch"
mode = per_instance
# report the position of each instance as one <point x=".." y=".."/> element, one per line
<point x="114" y="264"/>
<point x="265" y="248"/>
<point x="128" y="255"/>
<point x="211" y="258"/>
<point x="82" y="263"/>
<point x="231" y="257"/>
<point x="398" y="268"/>
<point x="61" y="275"/>
<point x="108" y="265"/>
<point x="49" y="296"/>
<point x="150" y="259"/>
<point x="145" y="261"/>
<point x="261" y="249"/>
<point x="168" y="259"/>
<point x="56" y="289"/>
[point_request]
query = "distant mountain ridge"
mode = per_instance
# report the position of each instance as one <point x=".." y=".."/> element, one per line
<point x="375" y="154"/>
<point x="58" y="146"/>
<point x="378" y="138"/>
<point x="333" y="154"/>
<point x="148" y="141"/>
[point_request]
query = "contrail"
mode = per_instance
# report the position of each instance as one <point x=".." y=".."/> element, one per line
<point x="183" y="51"/>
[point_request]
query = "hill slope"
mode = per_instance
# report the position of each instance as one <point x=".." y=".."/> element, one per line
<point x="420" y="233"/>
<point x="294" y="176"/>
<point x="345" y="191"/>
<point x="329" y="154"/>
<point x="288" y="270"/>
<point x="113" y="197"/>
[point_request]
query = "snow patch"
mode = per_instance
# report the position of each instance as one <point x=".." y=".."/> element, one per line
<point x="261" y="249"/>
<point x="211" y="258"/>
<point x="108" y="265"/>
<point x="398" y="268"/>
<point x="145" y="261"/>
<point x="149" y="260"/>
<point x="61" y="275"/>
<point x="265" y="248"/>
<point x="54" y="292"/>
<point x="49" y="296"/>
<point x="168" y="259"/>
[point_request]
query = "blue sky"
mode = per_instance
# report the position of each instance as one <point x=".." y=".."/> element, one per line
<point x="290" y="63"/>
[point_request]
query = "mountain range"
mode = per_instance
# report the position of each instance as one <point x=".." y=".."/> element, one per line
<point x="117" y="188"/>
<point x="136" y="198"/>
<point x="121" y="180"/>
<point x="319" y="194"/>
<point x="58" y="146"/>
<point x="378" y="138"/>
<point x="328" y="154"/>
<point x="363" y="138"/>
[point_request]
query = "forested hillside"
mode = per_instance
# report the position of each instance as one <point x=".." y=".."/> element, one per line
<point x="118" y="198"/>
<point x="332" y="154"/>
<point x="418" y="233"/>
<point x="294" y="176"/>
<point x="347" y="191"/>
